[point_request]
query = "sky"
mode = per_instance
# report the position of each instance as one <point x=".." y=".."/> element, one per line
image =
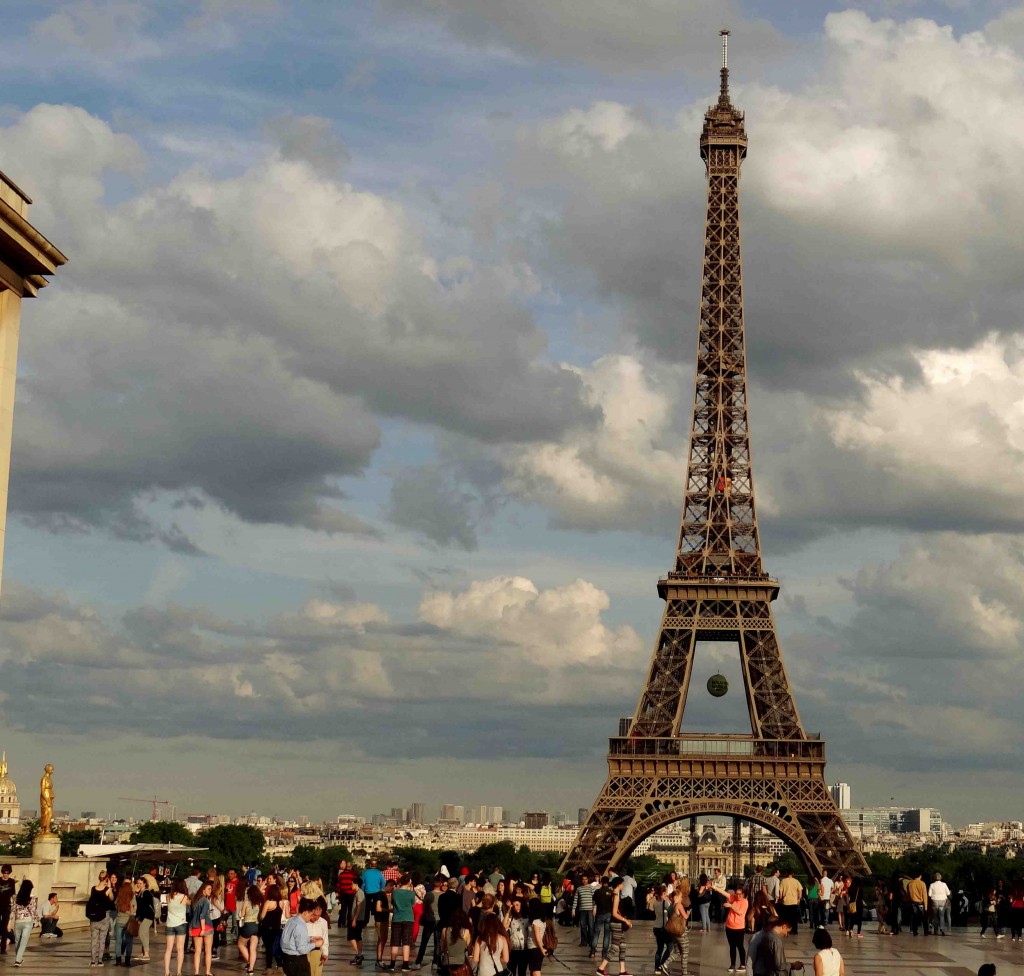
<point x="350" y="443"/>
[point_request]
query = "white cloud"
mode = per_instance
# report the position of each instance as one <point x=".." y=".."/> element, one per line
<point x="555" y="629"/>
<point x="327" y="665"/>
<point x="625" y="471"/>
<point x="896" y="147"/>
<point x="959" y="428"/>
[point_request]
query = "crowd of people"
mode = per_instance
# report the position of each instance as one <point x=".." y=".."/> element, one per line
<point x="487" y="923"/>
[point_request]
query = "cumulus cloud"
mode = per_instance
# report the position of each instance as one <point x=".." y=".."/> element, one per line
<point x="514" y="657"/>
<point x="628" y="471"/>
<point x="821" y="464"/>
<point x="929" y="656"/>
<point x="557" y="629"/>
<point x="233" y="340"/>
<point x="874" y="209"/>
<point x="939" y="450"/>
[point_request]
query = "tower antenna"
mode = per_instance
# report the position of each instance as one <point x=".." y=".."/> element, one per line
<point x="723" y="95"/>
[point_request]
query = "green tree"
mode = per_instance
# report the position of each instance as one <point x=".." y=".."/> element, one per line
<point x="163" y="832"/>
<point x="319" y="862"/>
<point x="504" y="854"/>
<point x="70" y="840"/>
<point x="788" y="862"/>
<point x="452" y="860"/>
<point x="417" y="860"/>
<point x="230" y="845"/>
<point x="647" y="869"/>
<point x="21" y="844"/>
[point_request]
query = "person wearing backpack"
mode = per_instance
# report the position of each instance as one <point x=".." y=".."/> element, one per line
<point x="97" y="910"/>
<point x="546" y="893"/>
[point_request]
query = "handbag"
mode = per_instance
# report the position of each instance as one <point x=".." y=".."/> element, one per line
<point x="132" y="927"/>
<point x="676" y="925"/>
<point x="465" y="969"/>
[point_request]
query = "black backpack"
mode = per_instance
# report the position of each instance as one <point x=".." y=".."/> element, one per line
<point x="97" y="906"/>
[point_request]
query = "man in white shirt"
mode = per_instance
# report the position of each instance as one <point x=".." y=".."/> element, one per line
<point x="938" y="896"/>
<point x="718" y="895"/>
<point x="825" y="902"/>
<point x="772" y="885"/>
<point x="627" y="895"/>
<point x="317" y="928"/>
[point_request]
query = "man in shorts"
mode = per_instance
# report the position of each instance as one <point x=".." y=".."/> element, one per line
<point x="356" y="923"/>
<point x="402" y="900"/>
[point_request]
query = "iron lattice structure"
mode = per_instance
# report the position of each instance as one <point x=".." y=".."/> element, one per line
<point x="718" y="591"/>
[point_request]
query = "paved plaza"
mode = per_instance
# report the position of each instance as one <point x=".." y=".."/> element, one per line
<point x="956" y="955"/>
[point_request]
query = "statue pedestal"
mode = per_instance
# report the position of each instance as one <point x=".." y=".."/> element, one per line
<point x="46" y="847"/>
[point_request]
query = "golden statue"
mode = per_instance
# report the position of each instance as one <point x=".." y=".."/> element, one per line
<point x="3" y="765"/>
<point x="46" y="802"/>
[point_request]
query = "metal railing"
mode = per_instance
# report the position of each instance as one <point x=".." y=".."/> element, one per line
<point x="715" y="746"/>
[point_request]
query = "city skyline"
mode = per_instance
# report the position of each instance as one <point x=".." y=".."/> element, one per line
<point x="352" y="435"/>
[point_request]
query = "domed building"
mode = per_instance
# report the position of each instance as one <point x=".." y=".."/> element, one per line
<point x="10" y="808"/>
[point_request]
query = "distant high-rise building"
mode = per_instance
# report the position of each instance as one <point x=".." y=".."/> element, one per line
<point x="481" y="814"/>
<point x="893" y="820"/>
<point x="419" y="813"/>
<point x="495" y="815"/>
<point x="400" y="814"/>
<point x="841" y="795"/>
<point x="453" y="812"/>
<point x="534" y="821"/>
<point x="581" y="817"/>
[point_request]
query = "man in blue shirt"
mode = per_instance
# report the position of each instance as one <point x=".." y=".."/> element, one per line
<point x="373" y="880"/>
<point x="295" y="941"/>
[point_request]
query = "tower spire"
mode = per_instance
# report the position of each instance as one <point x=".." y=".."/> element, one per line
<point x="723" y="93"/>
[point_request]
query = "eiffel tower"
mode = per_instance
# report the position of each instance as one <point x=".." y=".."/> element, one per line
<point x="718" y="591"/>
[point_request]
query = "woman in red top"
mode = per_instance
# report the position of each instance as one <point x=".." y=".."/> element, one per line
<point x="735" y="924"/>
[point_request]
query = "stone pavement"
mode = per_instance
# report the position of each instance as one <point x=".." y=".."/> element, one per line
<point x="957" y="955"/>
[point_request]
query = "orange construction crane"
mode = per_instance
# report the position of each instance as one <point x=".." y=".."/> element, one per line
<point x="143" y="799"/>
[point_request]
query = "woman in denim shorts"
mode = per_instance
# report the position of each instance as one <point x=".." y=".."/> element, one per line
<point x="249" y="927"/>
<point x="176" y="926"/>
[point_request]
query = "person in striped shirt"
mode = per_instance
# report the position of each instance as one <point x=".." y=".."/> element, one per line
<point x="583" y="909"/>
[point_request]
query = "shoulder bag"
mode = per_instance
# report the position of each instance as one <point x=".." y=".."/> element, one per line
<point x="675" y="925"/>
